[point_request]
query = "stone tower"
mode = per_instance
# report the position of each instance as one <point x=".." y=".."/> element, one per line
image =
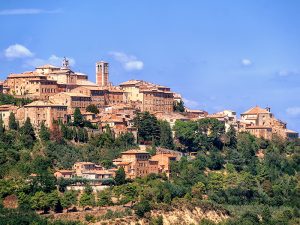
<point x="102" y="74"/>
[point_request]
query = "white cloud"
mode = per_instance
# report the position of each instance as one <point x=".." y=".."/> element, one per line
<point x="129" y="62"/>
<point x="284" y="73"/>
<point x="10" y="12"/>
<point x="53" y="60"/>
<point x="190" y="103"/>
<point x="17" y="51"/>
<point x="293" y="111"/>
<point x="246" y="62"/>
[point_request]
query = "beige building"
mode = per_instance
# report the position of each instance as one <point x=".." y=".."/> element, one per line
<point x="228" y="117"/>
<point x="136" y="163"/>
<point x="72" y="100"/>
<point x="31" y="84"/>
<point x="164" y="162"/>
<point x="147" y="96"/>
<point x="99" y="95"/>
<point x="87" y="170"/>
<point x="262" y="123"/>
<point x="45" y="81"/>
<point x="5" y="111"/>
<point x="45" y="111"/>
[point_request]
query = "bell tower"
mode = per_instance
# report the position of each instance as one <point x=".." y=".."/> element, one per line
<point x="102" y="74"/>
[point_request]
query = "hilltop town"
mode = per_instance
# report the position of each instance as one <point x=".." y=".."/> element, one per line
<point x="57" y="91"/>
<point x="90" y="148"/>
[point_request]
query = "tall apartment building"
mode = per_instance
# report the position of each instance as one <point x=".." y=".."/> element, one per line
<point x="102" y="74"/>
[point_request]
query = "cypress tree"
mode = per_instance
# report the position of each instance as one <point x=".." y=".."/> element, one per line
<point x="75" y="134"/>
<point x="12" y="123"/>
<point x="44" y="133"/>
<point x="1" y="127"/>
<point x="27" y="129"/>
<point x="86" y="135"/>
<point x="166" y="139"/>
<point x="78" y="118"/>
<point x="80" y="135"/>
<point x="120" y="176"/>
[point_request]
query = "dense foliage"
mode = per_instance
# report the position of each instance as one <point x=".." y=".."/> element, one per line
<point x="257" y="181"/>
<point x="9" y="99"/>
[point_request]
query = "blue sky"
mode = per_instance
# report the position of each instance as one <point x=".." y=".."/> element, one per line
<point x="222" y="54"/>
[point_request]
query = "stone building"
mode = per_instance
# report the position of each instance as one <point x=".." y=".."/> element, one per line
<point x="115" y="96"/>
<point x="5" y="111"/>
<point x="164" y="162"/>
<point x="195" y="113"/>
<point x="72" y="100"/>
<point x="45" y="111"/>
<point x="228" y="117"/>
<point x="139" y="163"/>
<point x="135" y="163"/>
<point x="31" y="85"/>
<point x="99" y="95"/>
<point x="147" y="96"/>
<point x="45" y="81"/>
<point x="262" y="123"/>
<point x="87" y="170"/>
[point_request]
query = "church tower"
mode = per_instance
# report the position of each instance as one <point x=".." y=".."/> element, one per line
<point x="102" y="74"/>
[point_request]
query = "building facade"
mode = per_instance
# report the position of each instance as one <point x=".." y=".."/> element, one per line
<point x="72" y="100"/>
<point x="45" y="112"/>
<point x="147" y="96"/>
<point x="262" y="123"/>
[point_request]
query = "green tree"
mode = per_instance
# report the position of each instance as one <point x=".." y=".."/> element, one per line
<point x="27" y="136"/>
<point x="92" y="108"/>
<point x="44" y="132"/>
<point x="1" y="128"/>
<point x="198" y="190"/>
<point x="40" y="201"/>
<point x="81" y="137"/>
<point x="78" y="118"/>
<point x="86" y="135"/>
<point x="69" y="199"/>
<point x="104" y="198"/>
<point x="54" y="201"/>
<point x="166" y="138"/>
<point x="120" y="176"/>
<point x="12" y="123"/>
<point x="142" y="207"/>
<point x="75" y="134"/>
<point x="148" y="128"/>
<point x="87" y="198"/>
<point x="231" y="134"/>
<point x="186" y="133"/>
<point x="178" y="106"/>
<point x="27" y="129"/>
